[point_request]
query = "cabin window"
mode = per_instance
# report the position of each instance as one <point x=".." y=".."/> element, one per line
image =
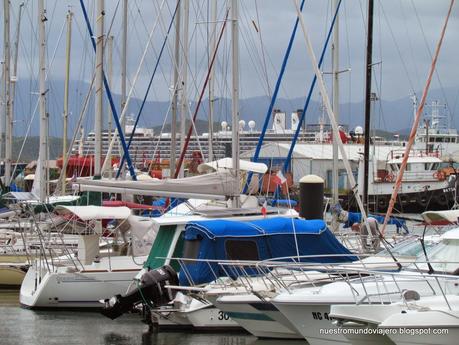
<point x="435" y="166"/>
<point x="447" y="140"/>
<point x="241" y="250"/>
<point x="191" y="249"/>
<point x="453" y="140"/>
<point x="408" y="167"/>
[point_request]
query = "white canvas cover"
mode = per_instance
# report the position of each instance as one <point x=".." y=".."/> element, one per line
<point x="216" y="185"/>
<point x="144" y="231"/>
<point x="227" y="163"/>
<point x="433" y="217"/>
<point x="90" y="212"/>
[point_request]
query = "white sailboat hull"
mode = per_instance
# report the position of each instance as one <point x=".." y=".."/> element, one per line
<point x="81" y="289"/>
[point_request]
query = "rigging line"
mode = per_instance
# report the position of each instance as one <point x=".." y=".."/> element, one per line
<point x="256" y="68"/>
<point x="348" y="45"/>
<point x="416" y="120"/>
<point x="311" y="89"/>
<point x="405" y="67"/>
<point x="149" y="86"/>
<point x="75" y="134"/>
<point x="263" y="51"/>
<point x="142" y="20"/>
<point x="185" y="147"/>
<point x="110" y="99"/>
<point x="247" y="35"/>
<point x="430" y="54"/>
<point x="203" y="62"/>
<point x="36" y="106"/>
<point x="327" y="103"/>
<point x="414" y="60"/>
<point x="273" y="98"/>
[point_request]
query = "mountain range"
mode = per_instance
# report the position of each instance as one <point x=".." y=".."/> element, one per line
<point x="389" y="115"/>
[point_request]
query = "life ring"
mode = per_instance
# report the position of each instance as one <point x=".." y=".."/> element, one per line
<point x="383" y="202"/>
<point x="404" y="200"/>
<point x="439" y="175"/>
<point x="441" y="199"/>
<point x="389" y="178"/>
<point x="422" y="198"/>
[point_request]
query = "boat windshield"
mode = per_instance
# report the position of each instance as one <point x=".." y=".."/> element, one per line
<point x="411" y="248"/>
<point x="444" y="257"/>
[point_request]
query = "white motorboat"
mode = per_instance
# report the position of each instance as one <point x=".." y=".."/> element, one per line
<point x="309" y="308"/>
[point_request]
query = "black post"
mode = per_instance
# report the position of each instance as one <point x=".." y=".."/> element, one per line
<point x="368" y="103"/>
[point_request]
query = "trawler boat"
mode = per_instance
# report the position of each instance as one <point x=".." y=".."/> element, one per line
<point x="424" y="184"/>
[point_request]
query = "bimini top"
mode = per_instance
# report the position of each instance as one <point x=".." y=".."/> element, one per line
<point x="272" y="226"/>
<point x="210" y="241"/>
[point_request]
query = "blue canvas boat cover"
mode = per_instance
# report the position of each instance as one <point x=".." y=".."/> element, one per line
<point x="255" y="240"/>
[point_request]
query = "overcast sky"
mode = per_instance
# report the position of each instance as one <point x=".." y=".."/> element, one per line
<point x="405" y="34"/>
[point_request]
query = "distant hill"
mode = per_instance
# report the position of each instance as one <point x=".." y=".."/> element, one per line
<point x="31" y="147"/>
<point x="390" y="116"/>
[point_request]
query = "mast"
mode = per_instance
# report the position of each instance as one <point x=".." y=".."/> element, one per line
<point x="66" y="93"/>
<point x="8" y="119"/>
<point x="184" y="84"/>
<point x="123" y="73"/>
<point x="235" y="96"/>
<point x="100" y="13"/>
<point x="335" y="101"/>
<point x="15" y="68"/>
<point x="369" y="66"/>
<point x="43" y="150"/>
<point x="212" y="44"/>
<point x="110" y="82"/>
<point x="173" y="154"/>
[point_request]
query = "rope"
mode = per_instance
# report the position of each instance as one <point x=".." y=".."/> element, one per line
<point x="148" y="89"/>
<point x="274" y="97"/>
<point x="414" y="128"/>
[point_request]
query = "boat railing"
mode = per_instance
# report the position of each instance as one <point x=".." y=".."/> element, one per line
<point x="398" y="154"/>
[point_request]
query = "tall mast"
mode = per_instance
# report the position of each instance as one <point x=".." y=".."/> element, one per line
<point x="335" y="101"/>
<point x="43" y="150"/>
<point x="110" y="82"/>
<point x="368" y="103"/>
<point x="212" y="44"/>
<point x="124" y="65"/>
<point x="175" y="91"/>
<point x="15" y="71"/>
<point x="8" y="119"/>
<point x="124" y="59"/>
<point x="184" y="84"/>
<point x="100" y="14"/>
<point x="235" y="96"/>
<point x="66" y="93"/>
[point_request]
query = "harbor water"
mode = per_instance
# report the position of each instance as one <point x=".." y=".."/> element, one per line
<point x="20" y="326"/>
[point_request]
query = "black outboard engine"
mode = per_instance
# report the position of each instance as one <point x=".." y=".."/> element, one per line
<point x="151" y="290"/>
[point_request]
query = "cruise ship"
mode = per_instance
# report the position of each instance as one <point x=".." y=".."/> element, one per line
<point x="148" y="145"/>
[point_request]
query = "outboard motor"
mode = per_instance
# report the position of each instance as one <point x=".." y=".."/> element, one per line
<point x="151" y="290"/>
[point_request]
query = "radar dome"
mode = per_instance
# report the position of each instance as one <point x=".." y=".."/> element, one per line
<point x="224" y="125"/>
<point x="252" y="124"/>
<point x="358" y="130"/>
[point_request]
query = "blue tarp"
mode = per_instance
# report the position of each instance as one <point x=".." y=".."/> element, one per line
<point x="272" y="238"/>
<point x="356" y="217"/>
